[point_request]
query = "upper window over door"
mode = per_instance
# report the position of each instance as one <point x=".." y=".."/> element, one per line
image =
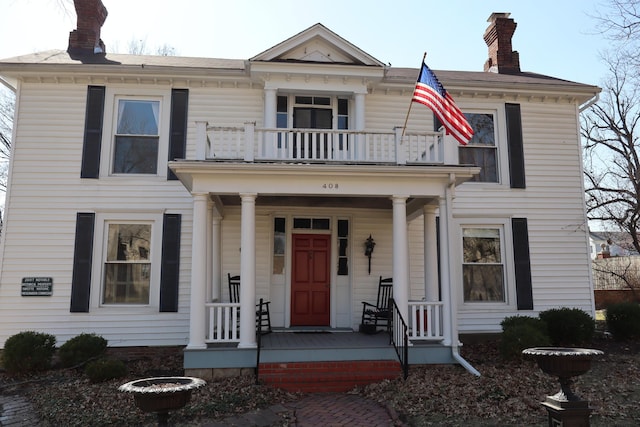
<point x="137" y="137"/>
<point x="482" y="149"/>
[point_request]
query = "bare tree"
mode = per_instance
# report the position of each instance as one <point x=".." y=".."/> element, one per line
<point x="7" y="103"/>
<point x="619" y="21"/>
<point x="139" y="47"/>
<point x="609" y="130"/>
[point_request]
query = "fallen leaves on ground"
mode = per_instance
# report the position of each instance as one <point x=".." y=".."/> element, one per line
<point x="507" y="393"/>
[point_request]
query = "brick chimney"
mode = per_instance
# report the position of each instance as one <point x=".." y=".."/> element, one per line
<point x="502" y="59"/>
<point x="85" y="39"/>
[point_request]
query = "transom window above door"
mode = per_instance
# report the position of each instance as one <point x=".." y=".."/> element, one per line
<point x="312" y="223"/>
<point x="312" y="112"/>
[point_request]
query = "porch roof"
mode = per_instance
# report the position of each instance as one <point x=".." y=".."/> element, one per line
<point x="326" y="180"/>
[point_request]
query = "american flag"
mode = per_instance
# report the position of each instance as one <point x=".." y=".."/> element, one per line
<point x="430" y="92"/>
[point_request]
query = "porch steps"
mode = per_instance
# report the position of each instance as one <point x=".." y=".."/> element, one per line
<point x="327" y="376"/>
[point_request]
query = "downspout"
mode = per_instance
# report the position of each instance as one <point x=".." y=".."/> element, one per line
<point x="589" y="103"/>
<point x="455" y="343"/>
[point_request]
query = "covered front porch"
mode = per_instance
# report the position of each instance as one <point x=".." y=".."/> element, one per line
<point x="246" y="190"/>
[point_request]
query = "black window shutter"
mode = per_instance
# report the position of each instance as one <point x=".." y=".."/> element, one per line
<point x="82" y="257"/>
<point x="170" y="270"/>
<point x="178" y="127"/>
<point x="516" y="149"/>
<point x="437" y="124"/>
<point x="92" y="132"/>
<point x="524" y="291"/>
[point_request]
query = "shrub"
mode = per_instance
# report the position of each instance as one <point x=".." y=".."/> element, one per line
<point x="28" y="352"/>
<point x="105" y="369"/>
<point x="568" y="326"/>
<point x="521" y="332"/>
<point x="81" y="348"/>
<point x="623" y="320"/>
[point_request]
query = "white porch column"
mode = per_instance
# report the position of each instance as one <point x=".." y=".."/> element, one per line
<point x="430" y="254"/>
<point x="448" y="311"/>
<point x="359" y="124"/>
<point x="248" y="271"/>
<point x="400" y="255"/>
<point x="197" y="312"/>
<point x="269" y="119"/>
<point x="216" y="258"/>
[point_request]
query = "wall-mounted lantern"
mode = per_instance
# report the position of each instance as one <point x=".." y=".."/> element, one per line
<point x="369" y="244"/>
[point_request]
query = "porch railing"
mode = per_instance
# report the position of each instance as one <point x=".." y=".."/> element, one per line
<point x="223" y="321"/>
<point x="250" y="144"/>
<point x="426" y="320"/>
<point x="399" y="337"/>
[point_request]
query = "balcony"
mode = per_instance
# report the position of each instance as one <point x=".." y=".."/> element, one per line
<point x="251" y="144"/>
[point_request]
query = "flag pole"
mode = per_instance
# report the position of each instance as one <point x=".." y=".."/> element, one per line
<point x="404" y="128"/>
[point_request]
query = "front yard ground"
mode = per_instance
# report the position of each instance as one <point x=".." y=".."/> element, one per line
<point x="507" y="393"/>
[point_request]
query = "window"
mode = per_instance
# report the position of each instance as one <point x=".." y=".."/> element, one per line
<point x="311" y="223"/>
<point x="127" y="264"/>
<point x="483" y="265"/>
<point x="482" y="149"/>
<point x="136" y="137"/>
<point x="279" y="244"/>
<point x="343" y="242"/>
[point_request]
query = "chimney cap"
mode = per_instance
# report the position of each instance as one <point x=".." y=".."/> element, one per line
<point x="496" y="15"/>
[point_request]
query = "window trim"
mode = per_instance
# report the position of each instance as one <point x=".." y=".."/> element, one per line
<point x="506" y="243"/>
<point x="113" y="95"/>
<point x="103" y="219"/>
<point x="500" y="135"/>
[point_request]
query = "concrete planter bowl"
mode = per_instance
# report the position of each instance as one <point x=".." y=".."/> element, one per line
<point x="162" y="394"/>
<point x="565" y="408"/>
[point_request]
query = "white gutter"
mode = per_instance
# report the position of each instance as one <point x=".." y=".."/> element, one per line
<point x="589" y="103"/>
<point x="8" y="85"/>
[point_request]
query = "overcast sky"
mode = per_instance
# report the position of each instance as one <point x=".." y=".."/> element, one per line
<point x="553" y="37"/>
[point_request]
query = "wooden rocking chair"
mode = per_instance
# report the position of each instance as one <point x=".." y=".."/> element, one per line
<point x="374" y="315"/>
<point x="263" y="318"/>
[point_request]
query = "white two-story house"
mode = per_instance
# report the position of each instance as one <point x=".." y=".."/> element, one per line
<point x="138" y="184"/>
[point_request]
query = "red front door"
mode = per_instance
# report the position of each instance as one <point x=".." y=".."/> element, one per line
<point x="310" y="285"/>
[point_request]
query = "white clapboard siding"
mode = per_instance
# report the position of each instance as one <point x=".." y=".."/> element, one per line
<point x="222" y="107"/>
<point x="39" y="233"/>
<point x="554" y="207"/>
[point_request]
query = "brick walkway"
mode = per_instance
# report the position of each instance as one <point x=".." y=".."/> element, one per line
<point x="325" y="410"/>
<point x="341" y="410"/>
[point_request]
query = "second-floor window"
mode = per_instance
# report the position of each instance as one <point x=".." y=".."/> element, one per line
<point x="136" y="137"/>
<point x="482" y="149"/>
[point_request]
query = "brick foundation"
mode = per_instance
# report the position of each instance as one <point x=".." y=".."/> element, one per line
<point x="322" y="377"/>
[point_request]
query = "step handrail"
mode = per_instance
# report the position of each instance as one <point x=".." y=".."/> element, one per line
<point x="399" y="336"/>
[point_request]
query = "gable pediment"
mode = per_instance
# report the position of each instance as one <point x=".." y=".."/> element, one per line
<point x="317" y="44"/>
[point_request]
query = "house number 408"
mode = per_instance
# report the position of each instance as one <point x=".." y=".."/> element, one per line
<point x="330" y="186"/>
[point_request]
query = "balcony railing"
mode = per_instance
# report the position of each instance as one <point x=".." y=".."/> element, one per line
<point x="250" y="144"/>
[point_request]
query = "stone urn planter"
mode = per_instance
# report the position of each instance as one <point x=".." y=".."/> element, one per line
<point x="162" y="394"/>
<point x="565" y="363"/>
